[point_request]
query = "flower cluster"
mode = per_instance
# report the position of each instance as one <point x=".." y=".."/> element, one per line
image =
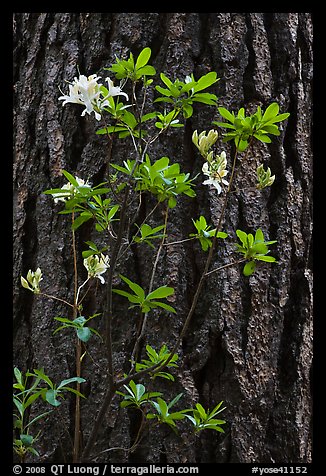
<point x="69" y="190"/>
<point x="215" y="165"/>
<point x="33" y="281"/>
<point x="96" y="266"/>
<point x="91" y="94"/>
<point x="215" y="170"/>
<point x="264" y="177"/>
<point x="204" y="142"/>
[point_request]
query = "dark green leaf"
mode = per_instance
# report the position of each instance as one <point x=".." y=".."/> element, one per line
<point x="84" y="334"/>
<point x="50" y="397"/>
<point x="84" y="217"/>
<point x="27" y="440"/>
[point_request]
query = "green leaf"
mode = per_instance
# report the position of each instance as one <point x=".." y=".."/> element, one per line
<point x="143" y="58"/>
<point x="32" y="399"/>
<point x="79" y="321"/>
<point x="271" y="111"/>
<point x="138" y="290"/>
<point x="33" y="451"/>
<point x="50" y="397"/>
<point x="146" y="71"/>
<point x="259" y="235"/>
<point x="85" y="216"/>
<point x="172" y="202"/>
<point x="20" y="406"/>
<point x="216" y="410"/>
<point x="206" y="81"/>
<point x="131" y="297"/>
<point x="71" y="380"/>
<point x="74" y="391"/>
<point x="166" y="80"/>
<point x="18" y="375"/>
<point x="70" y="178"/>
<point x="205" y="98"/>
<point x="63" y="319"/>
<point x="271" y="129"/>
<point x="164" y="305"/>
<point x="40" y="373"/>
<point x="27" y="440"/>
<point x="279" y="118"/>
<point x="201" y="411"/>
<point x="226" y="114"/>
<point x="262" y="138"/>
<point x="160" y="293"/>
<point x="249" y="268"/>
<point x="38" y="417"/>
<point x="83" y="334"/>
<point x="242" y="237"/>
<point x="268" y="259"/>
<point x="164" y="91"/>
<point x="175" y="400"/>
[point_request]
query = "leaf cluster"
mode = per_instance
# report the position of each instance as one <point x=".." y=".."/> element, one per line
<point x="205" y="420"/>
<point x="163" y="414"/>
<point x="162" y="180"/>
<point x="253" y="248"/>
<point x="147" y="234"/>
<point x="25" y="394"/>
<point x="83" y="332"/>
<point x="258" y="125"/>
<point x="205" y="234"/>
<point x="131" y="69"/>
<point x="136" y="395"/>
<point x="86" y="203"/>
<point x="143" y="301"/>
<point x="182" y="94"/>
<point x="157" y="358"/>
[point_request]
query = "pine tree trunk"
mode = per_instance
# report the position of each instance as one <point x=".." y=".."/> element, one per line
<point x="250" y="340"/>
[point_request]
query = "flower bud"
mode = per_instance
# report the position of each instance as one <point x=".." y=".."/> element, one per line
<point x="204" y="142"/>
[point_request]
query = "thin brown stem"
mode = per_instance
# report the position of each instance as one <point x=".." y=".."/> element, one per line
<point x="76" y="446"/>
<point x="56" y="298"/>
<point x="225" y="266"/>
<point x="180" y="241"/>
<point x="144" y="322"/>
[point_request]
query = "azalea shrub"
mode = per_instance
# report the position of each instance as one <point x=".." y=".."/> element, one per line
<point x="121" y="111"/>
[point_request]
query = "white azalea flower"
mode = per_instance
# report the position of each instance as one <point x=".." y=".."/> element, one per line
<point x="96" y="266"/>
<point x="87" y="92"/>
<point x="215" y="170"/>
<point x="33" y="280"/>
<point x="114" y="90"/>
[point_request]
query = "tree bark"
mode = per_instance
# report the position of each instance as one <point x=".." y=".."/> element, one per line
<point x="250" y="340"/>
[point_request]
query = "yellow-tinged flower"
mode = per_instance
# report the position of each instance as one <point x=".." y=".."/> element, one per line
<point x="97" y="265"/>
<point x="33" y="280"/>
<point x="264" y="177"/>
<point x="204" y="142"/>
